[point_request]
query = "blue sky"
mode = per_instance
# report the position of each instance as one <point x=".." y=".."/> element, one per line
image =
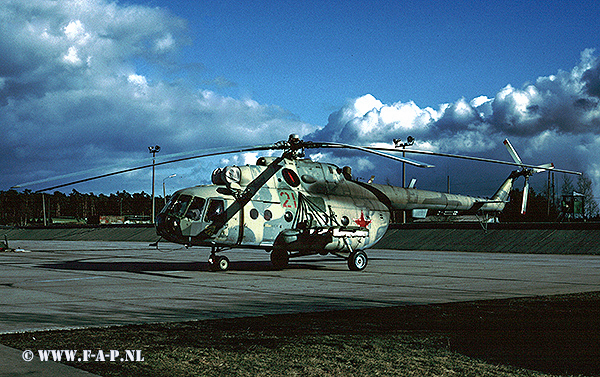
<point x="90" y="84"/>
<point x="309" y="57"/>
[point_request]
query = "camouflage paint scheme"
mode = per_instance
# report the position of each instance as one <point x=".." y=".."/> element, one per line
<point x="283" y="197"/>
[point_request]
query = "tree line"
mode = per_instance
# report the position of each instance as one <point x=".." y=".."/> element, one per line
<point x="28" y="208"/>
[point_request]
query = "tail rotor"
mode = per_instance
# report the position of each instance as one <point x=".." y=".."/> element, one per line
<point x="526" y="172"/>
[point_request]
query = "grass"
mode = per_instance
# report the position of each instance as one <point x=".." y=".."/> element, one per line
<point x="534" y="336"/>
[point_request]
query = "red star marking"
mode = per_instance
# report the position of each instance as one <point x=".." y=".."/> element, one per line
<point x="362" y="222"/>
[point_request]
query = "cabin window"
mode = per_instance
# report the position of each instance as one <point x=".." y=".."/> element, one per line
<point x="345" y="220"/>
<point x="268" y="215"/>
<point x="215" y="211"/>
<point x="288" y="216"/>
<point x="290" y="177"/>
<point x="254" y="214"/>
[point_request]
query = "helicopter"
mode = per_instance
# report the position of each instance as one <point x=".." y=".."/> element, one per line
<point x="292" y="206"/>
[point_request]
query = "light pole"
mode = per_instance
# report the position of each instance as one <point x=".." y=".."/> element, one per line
<point x="398" y="143"/>
<point x="155" y="149"/>
<point x="44" y="209"/>
<point x="164" y="190"/>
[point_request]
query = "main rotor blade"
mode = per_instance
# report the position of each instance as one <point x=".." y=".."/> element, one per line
<point x="512" y="152"/>
<point x="277" y="146"/>
<point x="210" y="154"/>
<point x="372" y="151"/>
<point x="481" y="159"/>
<point x="294" y="144"/>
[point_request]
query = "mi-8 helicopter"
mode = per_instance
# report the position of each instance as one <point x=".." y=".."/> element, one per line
<point x="292" y="206"/>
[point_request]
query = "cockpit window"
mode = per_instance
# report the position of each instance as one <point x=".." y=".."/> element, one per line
<point x="215" y="211"/>
<point x="194" y="211"/>
<point x="180" y="205"/>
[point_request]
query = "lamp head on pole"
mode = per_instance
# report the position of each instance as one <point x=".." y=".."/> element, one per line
<point x="399" y="144"/>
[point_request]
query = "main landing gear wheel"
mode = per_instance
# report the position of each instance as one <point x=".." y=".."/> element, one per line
<point x="357" y="261"/>
<point x="280" y="259"/>
<point x="218" y="263"/>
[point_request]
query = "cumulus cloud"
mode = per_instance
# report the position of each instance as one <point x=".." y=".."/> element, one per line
<point x="566" y="102"/>
<point x="368" y="120"/>
<point x="557" y="119"/>
<point x="75" y="90"/>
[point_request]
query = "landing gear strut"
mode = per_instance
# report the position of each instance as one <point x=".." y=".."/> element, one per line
<point x="357" y="259"/>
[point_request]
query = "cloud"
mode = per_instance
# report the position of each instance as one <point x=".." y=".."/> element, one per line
<point x="566" y="102"/>
<point x="556" y="119"/>
<point x="53" y="45"/>
<point x="368" y="120"/>
<point x="79" y="88"/>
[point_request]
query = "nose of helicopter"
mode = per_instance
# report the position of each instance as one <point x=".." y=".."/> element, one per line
<point x="159" y="223"/>
<point x="168" y="227"/>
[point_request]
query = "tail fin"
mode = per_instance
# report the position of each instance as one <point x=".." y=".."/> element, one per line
<point x="502" y="193"/>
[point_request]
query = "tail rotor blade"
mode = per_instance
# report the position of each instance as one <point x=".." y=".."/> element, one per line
<point x="544" y="167"/>
<point x="512" y="152"/>
<point x="525" y="196"/>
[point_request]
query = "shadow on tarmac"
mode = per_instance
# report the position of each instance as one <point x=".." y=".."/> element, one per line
<point x="158" y="268"/>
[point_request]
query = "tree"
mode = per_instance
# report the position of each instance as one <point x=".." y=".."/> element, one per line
<point x="567" y="187"/>
<point x="536" y="211"/>
<point x="25" y="208"/>
<point x="584" y="187"/>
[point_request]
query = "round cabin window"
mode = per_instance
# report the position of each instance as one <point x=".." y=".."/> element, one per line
<point x="288" y="216"/>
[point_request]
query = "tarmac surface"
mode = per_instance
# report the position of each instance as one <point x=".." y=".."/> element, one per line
<point x="70" y="284"/>
<point x="67" y="284"/>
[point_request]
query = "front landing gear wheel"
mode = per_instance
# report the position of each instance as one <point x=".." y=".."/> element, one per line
<point x="280" y="259"/>
<point x="218" y="263"/>
<point x="357" y="261"/>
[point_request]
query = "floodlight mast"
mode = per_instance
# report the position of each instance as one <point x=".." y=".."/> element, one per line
<point x="155" y="149"/>
<point x="399" y="144"/>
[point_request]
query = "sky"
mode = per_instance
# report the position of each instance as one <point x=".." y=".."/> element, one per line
<point x="86" y="86"/>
